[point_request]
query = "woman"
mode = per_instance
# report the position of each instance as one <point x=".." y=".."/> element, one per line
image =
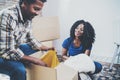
<point x="82" y="36"/>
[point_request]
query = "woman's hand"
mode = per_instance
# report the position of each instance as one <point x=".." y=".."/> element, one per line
<point x="64" y="58"/>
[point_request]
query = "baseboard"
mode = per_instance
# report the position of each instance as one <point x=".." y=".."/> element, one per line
<point x="104" y="59"/>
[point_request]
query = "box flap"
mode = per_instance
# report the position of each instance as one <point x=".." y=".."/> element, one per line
<point x="46" y="28"/>
<point x="42" y="73"/>
<point x="66" y="73"/>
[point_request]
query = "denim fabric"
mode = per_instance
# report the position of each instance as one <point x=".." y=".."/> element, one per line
<point x="27" y="49"/>
<point x="98" y="67"/>
<point x="16" y="69"/>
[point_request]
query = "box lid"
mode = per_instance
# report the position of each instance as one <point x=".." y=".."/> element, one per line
<point x="66" y="73"/>
<point x="42" y="73"/>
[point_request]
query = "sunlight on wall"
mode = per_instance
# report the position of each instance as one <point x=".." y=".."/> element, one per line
<point x="104" y="15"/>
<point x="101" y="14"/>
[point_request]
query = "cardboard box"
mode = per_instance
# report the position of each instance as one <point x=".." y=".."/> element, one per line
<point x="66" y="73"/>
<point x="46" y="28"/>
<point x="61" y="72"/>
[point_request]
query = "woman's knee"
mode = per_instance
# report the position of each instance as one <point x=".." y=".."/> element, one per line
<point x="98" y="67"/>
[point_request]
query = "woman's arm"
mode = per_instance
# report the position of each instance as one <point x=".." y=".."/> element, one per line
<point x="87" y="52"/>
<point x="64" y="54"/>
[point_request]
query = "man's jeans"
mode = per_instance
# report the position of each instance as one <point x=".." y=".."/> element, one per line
<point x="16" y="69"/>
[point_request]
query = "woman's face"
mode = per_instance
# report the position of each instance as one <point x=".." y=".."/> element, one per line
<point x="79" y="30"/>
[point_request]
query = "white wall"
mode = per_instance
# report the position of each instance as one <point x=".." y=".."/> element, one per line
<point x="104" y="15"/>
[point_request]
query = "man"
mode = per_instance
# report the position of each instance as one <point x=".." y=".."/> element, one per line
<point x="16" y="40"/>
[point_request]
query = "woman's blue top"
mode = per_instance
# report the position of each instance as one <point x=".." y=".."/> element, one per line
<point x="72" y="50"/>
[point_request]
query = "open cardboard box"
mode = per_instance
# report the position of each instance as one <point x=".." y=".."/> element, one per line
<point x="46" y="29"/>
<point x="61" y="72"/>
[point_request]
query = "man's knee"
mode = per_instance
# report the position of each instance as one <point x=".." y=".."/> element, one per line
<point x="20" y="70"/>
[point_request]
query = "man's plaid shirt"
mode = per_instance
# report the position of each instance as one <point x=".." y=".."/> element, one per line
<point x="13" y="32"/>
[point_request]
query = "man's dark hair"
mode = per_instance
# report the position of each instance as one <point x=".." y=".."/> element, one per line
<point x="30" y="1"/>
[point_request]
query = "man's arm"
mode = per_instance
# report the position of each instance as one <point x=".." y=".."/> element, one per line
<point x="33" y="60"/>
<point x="7" y="43"/>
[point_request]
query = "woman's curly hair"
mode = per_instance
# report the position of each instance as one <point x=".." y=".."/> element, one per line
<point x="88" y="36"/>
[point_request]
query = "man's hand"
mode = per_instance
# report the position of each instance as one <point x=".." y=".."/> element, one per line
<point x="45" y="48"/>
<point x="39" y="62"/>
<point x="51" y="48"/>
<point x="33" y="60"/>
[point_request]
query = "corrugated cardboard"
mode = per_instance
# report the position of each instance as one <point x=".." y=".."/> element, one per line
<point x="61" y="72"/>
<point x="42" y="73"/>
<point x="66" y="73"/>
<point x="46" y="28"/>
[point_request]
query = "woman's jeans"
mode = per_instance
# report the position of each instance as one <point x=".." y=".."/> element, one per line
<point x="98" y="67"/>
<point x="16" y="69"/>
